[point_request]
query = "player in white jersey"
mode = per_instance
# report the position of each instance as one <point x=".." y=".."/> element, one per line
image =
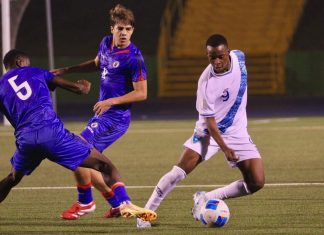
<point x="222" y="125"/>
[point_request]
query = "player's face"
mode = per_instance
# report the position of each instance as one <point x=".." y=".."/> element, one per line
<point x="122" y="34"/>
<point x="23" y="61"/>
<point x="219" y="58"/>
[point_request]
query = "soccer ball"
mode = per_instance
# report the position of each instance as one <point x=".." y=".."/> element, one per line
<point x="214" y="213"/>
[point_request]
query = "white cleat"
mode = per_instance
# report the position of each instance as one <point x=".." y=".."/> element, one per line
<point x="199" y="200"/>
<point x="142" y="224"/>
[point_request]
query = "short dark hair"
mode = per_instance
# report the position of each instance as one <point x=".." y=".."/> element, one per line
<point x="11" y="57"/>
<point x="216" y="40"/>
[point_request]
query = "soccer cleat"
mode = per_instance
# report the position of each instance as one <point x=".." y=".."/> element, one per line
<point x="199" y="199"/>
<point x="142" y="224"/>
<point x="113" y="213"/>
<point x="129" y="210"/>
<point x="77" y="210"/>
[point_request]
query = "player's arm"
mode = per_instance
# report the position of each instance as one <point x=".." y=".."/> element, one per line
<point x="138" y="94"/>
<point x="79" y="87"/>
<point x="87" y="66"/>
<point x="214" y="132"/>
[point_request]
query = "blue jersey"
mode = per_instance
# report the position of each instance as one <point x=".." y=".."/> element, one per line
<point x="25" y="98"/>
<point x="119" y="69"/>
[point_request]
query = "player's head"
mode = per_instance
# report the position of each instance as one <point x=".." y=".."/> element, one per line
<point x="15" y="58"/>
<point x="121" y="25"/>
<point x="218" y="53"/>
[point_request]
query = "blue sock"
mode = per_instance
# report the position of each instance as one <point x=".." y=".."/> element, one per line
<point x="121" y="193"/>
<point x="111" y="198"/>
<point x="85" y="193"/>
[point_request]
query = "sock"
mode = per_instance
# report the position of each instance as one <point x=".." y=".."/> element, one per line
<point x="235" y="189"/>
<point x="111" y="198"/>
<point x="120" y="192"/>
<point x="84" y="193"/>
<point x="164" y="186"/>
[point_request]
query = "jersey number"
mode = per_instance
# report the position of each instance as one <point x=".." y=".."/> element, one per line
<point x="18" y="88"/>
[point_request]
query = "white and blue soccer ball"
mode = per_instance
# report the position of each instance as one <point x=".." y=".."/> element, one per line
<point x="214" y="213"/>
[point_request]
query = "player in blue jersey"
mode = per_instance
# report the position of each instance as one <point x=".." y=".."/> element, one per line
<point x="25" y="100"/>
<point x="122" y="82"/>
<point x="222" y="125"/>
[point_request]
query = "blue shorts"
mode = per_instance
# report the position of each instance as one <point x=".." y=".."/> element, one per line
<point x="53" y="142"/>
<point x="103" y="131"/>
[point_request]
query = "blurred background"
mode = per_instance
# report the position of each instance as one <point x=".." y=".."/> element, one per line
<point x="283" y="41"/>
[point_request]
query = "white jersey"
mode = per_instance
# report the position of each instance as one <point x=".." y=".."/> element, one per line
<point x="224" y="97"/>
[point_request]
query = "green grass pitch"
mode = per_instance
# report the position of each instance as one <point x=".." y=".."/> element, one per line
<point x="292" y="202"/>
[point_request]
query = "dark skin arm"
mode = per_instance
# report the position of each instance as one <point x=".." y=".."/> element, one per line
<point x="79" y="87"/>
<point x="214" y="132"/>
<point x="85" y="67"/>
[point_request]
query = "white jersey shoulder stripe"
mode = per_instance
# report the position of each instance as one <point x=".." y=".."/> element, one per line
<point x="227" y="121"/>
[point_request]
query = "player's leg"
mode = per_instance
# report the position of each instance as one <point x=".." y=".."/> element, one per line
<point x="109" y="195"/>
<point x="251" y="167"/>
<point x="112" y="179"/>
<point x="9" y="182"/>
<point x="85" y="203"/>
<point x="102" y="133"/>
<point x="26" y="158"/>
<point x="196" y="150"/>
<point x="253" y="180"/>
<point x="253" y="174"/>
<point x="188" y="161"/>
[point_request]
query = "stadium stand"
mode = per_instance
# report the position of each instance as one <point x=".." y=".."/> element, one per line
<point x="262" y="29"/>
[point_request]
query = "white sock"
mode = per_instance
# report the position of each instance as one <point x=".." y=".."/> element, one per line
<point x="235" y="189"/>
<point x="164" y="186"/>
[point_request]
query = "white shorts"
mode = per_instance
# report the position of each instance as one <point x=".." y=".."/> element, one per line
<point x="207" y="147"/>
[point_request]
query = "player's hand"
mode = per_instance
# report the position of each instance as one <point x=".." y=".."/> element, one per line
<point x="58" y="72"/>
<point x="230" y="155"/>
<point x="102" y="106"/>
<point x="85" y="86"/>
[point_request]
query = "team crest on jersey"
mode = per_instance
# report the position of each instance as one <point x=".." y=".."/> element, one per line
<point x="115" y="64"/>
<point x="225" y="95"/>
<point x="94" y="125"/>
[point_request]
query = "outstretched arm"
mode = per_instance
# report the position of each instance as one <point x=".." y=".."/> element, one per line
<point x="79" y="87"/>
<point x="87" y="66"/>
<point x="214" y="132"/>
<point x="138" y="94"/>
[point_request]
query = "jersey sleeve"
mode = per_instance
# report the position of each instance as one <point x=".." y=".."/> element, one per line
<point x="103" y="45"/>
<point x="137" y="68"/>
<point x="43" y="74"/>
<point x="205" y="103"/>
<point x="48" y="75"/>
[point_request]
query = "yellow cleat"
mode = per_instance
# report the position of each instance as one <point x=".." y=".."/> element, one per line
<point x="129" y="210"/>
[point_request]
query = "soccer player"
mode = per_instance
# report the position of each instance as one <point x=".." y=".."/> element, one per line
<point x="25" y="100"/>
<point x="222" y="125"/>
<point x="122" y="82"/>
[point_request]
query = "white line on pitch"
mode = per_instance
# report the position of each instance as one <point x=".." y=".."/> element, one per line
<point x="187" y="130"/>
<point x="179" y="186"/>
